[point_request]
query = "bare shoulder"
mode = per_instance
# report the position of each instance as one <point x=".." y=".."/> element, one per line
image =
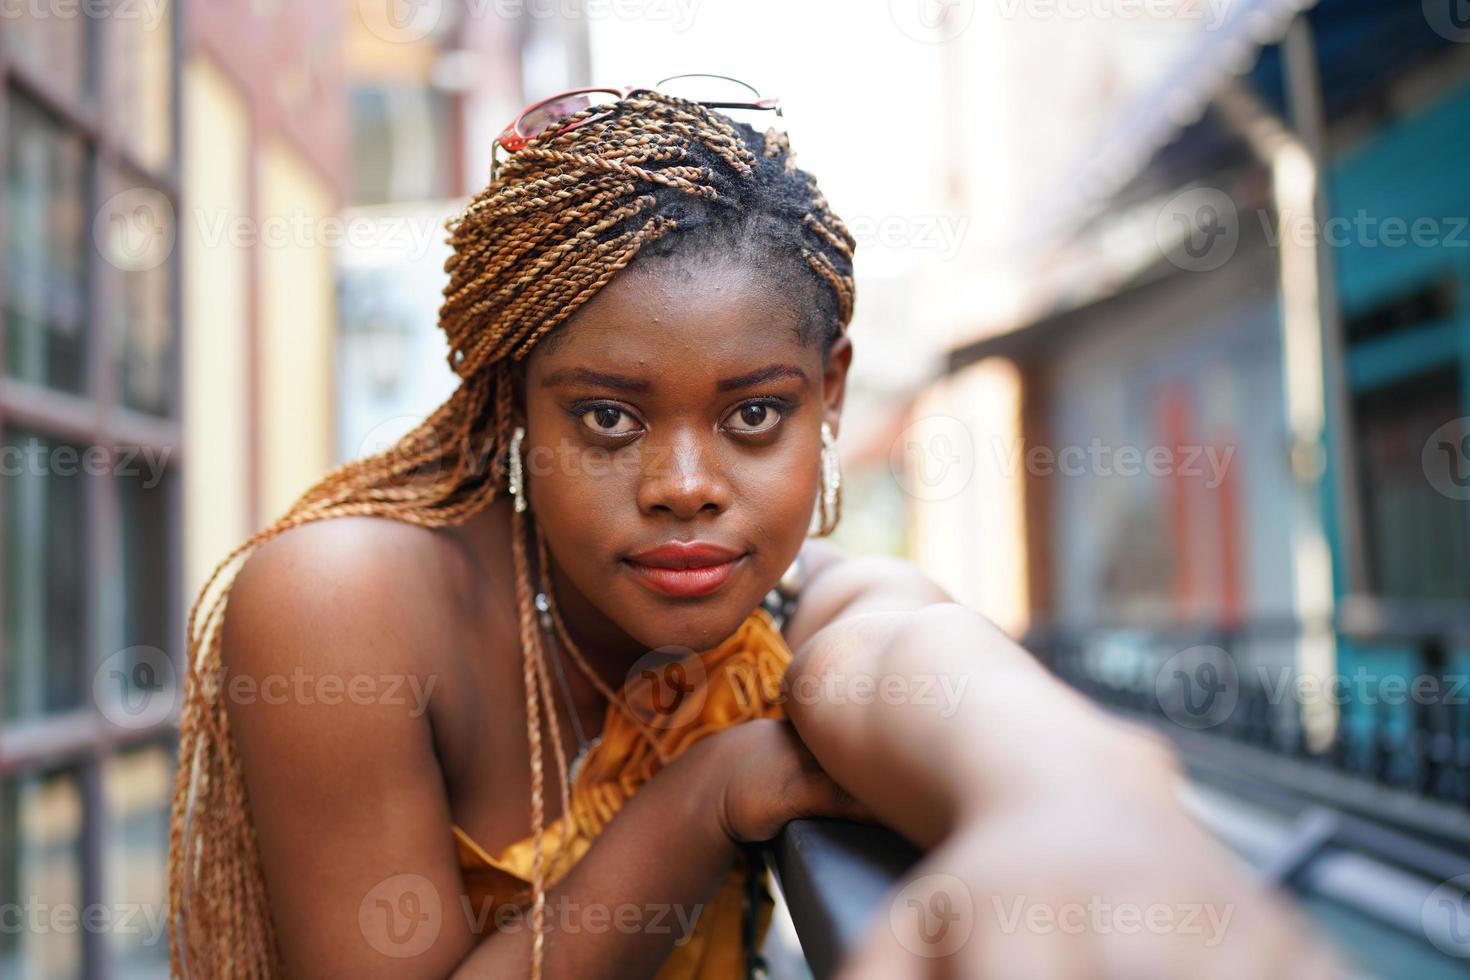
<point x="840" y="584"/>
<point x="338" y="639"/>
<point x="354" y="587"/>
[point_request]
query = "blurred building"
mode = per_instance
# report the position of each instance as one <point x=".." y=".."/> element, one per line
<point x="171" y="172"/>
<point x="1256" y="278"/>
<point x="93" y="470"/>
<point x="265" y="149"/>
<point x="1228" y="376"/>
<point x="1022" y="88"/>
<point x="429" y="94"/>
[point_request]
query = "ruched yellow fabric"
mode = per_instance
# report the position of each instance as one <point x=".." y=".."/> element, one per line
<point x="734" y="682"/>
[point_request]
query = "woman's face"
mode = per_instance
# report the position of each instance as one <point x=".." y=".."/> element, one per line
<point x="678" y="405"/>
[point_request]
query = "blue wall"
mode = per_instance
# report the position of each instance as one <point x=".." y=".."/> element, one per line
<point x="1413" y="169"/>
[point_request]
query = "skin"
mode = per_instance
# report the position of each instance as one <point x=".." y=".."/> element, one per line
<point x="683" y="458"/>
<point x="348" y="797"/>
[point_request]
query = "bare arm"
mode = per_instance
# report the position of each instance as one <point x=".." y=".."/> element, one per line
<point x="645" y="879"/>
<point x="635" y="893"/>
<point x="352" y="813"/>
<point x="961" y="720"/>
<point x="925" y="710"/>
<point x="1033" y="804"/>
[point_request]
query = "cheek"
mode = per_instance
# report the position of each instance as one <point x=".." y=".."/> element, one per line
<point x="781" y="493"/>
<point x="577" y="487"/>
<point x="777" y="500"/>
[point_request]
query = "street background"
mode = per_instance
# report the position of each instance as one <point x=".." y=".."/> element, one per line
<point x="1162" y="362"/>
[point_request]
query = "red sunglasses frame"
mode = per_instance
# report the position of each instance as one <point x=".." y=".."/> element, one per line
<point x="511" y="139"/>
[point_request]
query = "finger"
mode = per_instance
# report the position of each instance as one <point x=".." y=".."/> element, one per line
<point x="829" y="798"/>
<point x="853" y="808"/>
<point x="819" y="796"/>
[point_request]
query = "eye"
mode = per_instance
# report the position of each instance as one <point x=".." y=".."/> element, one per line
<point x="603" y="419"/>
<point x="756" y="417"/>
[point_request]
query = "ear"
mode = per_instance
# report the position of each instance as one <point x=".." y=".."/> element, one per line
<point x="834" y="381"/>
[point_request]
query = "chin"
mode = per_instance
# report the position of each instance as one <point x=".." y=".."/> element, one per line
<point x="698" y="626"/>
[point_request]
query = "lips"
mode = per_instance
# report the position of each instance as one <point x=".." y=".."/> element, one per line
<point x="685" y="568"/>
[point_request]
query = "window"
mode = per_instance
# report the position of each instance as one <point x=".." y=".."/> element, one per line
<point x="89" y="544"/>
<point x="41" y="865"/>
<point x="57" y="46"/>
<point x="45" y="217"/>
<point x="139" y="77"/>
<point x="41" y="489"/>
<point x="401" y="143"/>
<point x="146" y="498"/>
<point x="1418" y="540"/>
<point x="138" y="785"/>
<point x="136" y="251"/>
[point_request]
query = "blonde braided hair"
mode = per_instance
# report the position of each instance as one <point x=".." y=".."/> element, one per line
<point x="565" y="214"/>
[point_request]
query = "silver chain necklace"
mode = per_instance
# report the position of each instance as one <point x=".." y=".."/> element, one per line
<point x="584" y="744"/>
<point x="780" y="602"/>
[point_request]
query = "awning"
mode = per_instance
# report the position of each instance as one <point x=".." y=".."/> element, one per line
<point x="1171" y="135"/>
<point x="1174" y="102"/>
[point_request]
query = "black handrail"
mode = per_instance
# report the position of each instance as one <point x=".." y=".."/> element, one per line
<point x="834" y="875"/>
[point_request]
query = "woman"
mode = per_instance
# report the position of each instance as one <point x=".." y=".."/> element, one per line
<point x="543" y="682"/>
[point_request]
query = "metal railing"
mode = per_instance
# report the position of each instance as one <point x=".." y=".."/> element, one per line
<point x="1232" y="699"/>
<point x="835" y="876"/>
<point x="1387" y="794"/>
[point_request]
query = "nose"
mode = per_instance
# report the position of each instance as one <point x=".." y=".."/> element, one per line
<point x="683" y="477"/>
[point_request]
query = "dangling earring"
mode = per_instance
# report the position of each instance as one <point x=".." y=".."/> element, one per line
<point x="517" y="480"/>
<point x="829" y="501"/>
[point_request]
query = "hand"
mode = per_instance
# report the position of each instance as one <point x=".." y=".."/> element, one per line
<point x="764" y="777"/>
<point x="1073" y="888"/>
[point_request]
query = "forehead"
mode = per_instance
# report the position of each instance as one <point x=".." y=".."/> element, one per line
<point x="688" y="317"/>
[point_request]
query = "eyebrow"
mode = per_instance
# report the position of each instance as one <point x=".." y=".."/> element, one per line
<point x="600" y="379"/>
<point x="764" y="374"/>
<point x="622" y="382"/>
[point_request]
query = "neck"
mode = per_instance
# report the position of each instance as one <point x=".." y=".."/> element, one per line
<point x="609" y="650"/>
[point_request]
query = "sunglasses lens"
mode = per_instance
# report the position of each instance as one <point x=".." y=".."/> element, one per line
<point x="539" y="119"/>
<point x="708" y="88"/>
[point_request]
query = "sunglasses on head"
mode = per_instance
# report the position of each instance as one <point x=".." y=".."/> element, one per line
<point x="547" y="115"/>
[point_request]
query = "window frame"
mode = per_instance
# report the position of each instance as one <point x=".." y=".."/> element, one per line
<point x="83" y="738"/>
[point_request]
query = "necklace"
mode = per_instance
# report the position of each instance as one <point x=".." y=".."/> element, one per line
<point x="584" y="744"/>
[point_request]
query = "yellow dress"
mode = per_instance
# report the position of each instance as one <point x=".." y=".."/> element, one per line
<point x="742" y="681"/>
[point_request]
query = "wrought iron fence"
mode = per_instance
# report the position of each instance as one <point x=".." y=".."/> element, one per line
<point x="1390" y="712"/>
